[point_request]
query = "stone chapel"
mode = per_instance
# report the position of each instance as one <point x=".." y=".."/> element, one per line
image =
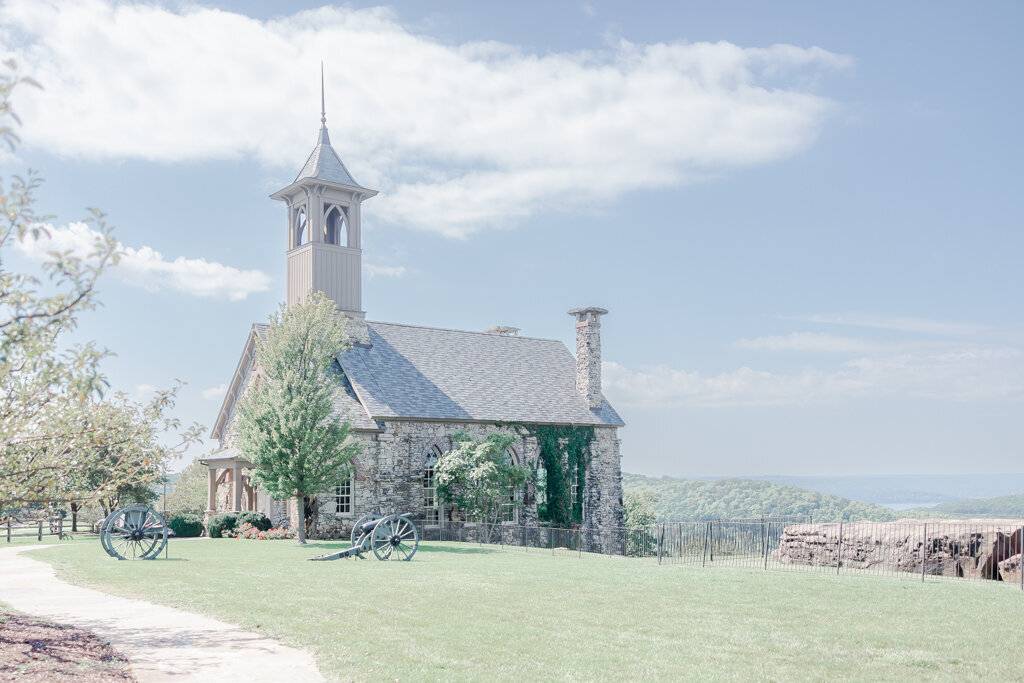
<point x="407" y="389"/>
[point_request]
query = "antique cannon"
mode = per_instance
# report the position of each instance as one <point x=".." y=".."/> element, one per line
<point x="133" y="533"/>
<point x="391" y="537"/>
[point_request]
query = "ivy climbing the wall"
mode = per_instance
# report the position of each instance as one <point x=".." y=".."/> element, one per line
<point x="565" y="453"/>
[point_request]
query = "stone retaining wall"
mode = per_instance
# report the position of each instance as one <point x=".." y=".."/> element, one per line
<point x="979" y="549"/>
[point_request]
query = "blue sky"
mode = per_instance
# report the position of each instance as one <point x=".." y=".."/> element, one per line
<point x="804" y="218"/>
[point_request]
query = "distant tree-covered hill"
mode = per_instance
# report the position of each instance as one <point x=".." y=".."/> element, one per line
<point x="1001" y="506"/>
<point x="686" y="499"/>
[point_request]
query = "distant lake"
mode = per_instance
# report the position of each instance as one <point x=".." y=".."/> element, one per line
<point x="907" y="506"/>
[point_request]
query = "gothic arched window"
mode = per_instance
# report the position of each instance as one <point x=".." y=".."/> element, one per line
<point x="542" y="488"/>
<point x="510" y="509"/>
<point x="334" y="227"/>
<point x="431" y="513"/>
<point x="300" y="228"/>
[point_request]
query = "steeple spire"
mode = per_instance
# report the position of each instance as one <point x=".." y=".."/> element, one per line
<point x="323" y="109"/>
<point x="325" y="139"/>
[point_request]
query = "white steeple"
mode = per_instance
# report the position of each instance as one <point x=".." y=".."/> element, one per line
<point x="323" y="246"/>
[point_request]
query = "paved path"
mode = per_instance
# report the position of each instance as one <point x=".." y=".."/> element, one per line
<point x="162" y="643"/>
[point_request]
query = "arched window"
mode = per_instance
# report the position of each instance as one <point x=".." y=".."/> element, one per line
<point x="574" y="493"/>
<point x="300" y="228"/>
<point x="510" y="509"/>
<point x="431" y="514"/>
<point x="334" y="227"/>
<point x="542" y="488"/>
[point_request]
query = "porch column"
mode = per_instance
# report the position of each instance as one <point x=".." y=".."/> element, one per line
<point x="211" y="502"/>
<point x="236" y="480"/>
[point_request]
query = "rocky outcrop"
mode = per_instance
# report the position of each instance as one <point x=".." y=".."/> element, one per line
<point x="963" y="548"/>
<point x="1010" y="569"/>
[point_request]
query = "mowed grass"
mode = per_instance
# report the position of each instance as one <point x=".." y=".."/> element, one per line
<point x="468" y="612"/>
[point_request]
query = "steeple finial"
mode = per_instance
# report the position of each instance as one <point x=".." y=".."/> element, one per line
<point x="323" y="109"/>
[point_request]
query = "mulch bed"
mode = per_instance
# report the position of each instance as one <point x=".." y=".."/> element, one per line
<point x="36" y="650"/>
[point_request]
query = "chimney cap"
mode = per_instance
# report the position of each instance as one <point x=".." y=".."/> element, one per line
<point x="503" y="330"/>
<point x="580" y="312"/>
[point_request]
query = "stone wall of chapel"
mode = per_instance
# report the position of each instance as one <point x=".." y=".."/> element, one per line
<point x="602" y="495"/>
<point x="389" y="474"/>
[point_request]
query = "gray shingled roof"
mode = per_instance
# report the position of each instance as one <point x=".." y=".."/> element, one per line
<point x="325" y="164"/>
<point x="433" y="373"/>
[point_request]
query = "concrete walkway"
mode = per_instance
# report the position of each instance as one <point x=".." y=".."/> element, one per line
<point x="162" y="643"/>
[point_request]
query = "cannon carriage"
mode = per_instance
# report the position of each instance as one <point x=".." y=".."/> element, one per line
<point x="389" y="537"/>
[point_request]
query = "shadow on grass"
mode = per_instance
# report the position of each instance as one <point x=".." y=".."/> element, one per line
<point x="472" y="550"/>
<point x="425" y="547"/>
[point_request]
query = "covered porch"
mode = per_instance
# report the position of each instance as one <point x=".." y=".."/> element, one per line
<point x="227" y="469"/>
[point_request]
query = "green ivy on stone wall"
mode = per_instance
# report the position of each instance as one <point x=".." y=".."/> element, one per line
<point x="565" y="452"/>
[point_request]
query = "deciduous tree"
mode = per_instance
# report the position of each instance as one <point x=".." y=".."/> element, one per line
<point x="287" y="422"/>
<point x="57" y="429"/>
<point x="476" y="476"/>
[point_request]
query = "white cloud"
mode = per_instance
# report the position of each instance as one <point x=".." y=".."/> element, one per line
<point x="808" y="341"/>
<point x="897" y="324"/>
<point x="147" y="268"/>
<point x="384" y="271"/>
<point x="458" y="137"/>
<point x="145" y="390"/>
<point x="215" y="393"/>
<point x="965" y="374"/>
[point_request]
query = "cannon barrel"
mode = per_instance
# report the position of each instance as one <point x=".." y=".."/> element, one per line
<point x="369" y="525"/>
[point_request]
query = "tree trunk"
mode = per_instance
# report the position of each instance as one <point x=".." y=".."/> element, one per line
<point x="311" y="514"/>
<point x="74" y="518"/>
<point x="300" y="524"/>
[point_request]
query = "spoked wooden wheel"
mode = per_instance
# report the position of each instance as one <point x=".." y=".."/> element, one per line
<point x="134" y="533"/>
<point x="395" y="538"/>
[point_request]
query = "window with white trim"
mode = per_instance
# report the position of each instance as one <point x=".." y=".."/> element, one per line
<point x="542" y="484"/>
<point x="431" y="513"/>
<point x="574" y="490"/>
<point x="343" y="497"/>
<point x="510" y="509"/>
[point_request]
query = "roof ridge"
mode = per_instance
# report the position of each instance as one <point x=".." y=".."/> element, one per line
<point x="452" y="329"/>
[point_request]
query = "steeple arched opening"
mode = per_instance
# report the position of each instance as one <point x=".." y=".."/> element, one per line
<point x="301" y="235"/>
<point x="334" y="227"/>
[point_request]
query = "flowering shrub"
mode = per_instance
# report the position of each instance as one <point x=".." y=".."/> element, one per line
<point x="247" y="530"/>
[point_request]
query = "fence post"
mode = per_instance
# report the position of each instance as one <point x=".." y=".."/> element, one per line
<point x="704" y="557"/>
<point x="924" y="549"/>
<point x="579" y="541"/>
<point x="839" y="547"/>
<point x="767" y="538"/>
<point x="661" y="539"/>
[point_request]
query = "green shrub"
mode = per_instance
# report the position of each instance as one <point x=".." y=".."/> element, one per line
<point x="257" y="519"/>
<point x="223" y="524"/>
<point x="186" y="525"/>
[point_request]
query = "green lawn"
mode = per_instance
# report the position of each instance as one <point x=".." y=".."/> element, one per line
<point x="467" y="612"/>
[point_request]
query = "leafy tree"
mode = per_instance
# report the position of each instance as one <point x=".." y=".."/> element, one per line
<point x="287" y="423"/>
<point x="476" y="477"/>
<point x="637" y="510"/>
<point x="190" y="491"/>
<point x="55" y="425"/>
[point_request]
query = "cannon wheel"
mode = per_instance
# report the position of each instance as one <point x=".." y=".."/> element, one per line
<point x="358" y="525"/>
<point x="104" y="537"/>
<point x="134" y="533"/>
<point x="395" y="538"/>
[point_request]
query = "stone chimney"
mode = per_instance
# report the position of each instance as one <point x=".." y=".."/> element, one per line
<point x="588" y="353"/>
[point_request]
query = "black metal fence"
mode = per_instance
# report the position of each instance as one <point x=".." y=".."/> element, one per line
<point x="986" y="550"/>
